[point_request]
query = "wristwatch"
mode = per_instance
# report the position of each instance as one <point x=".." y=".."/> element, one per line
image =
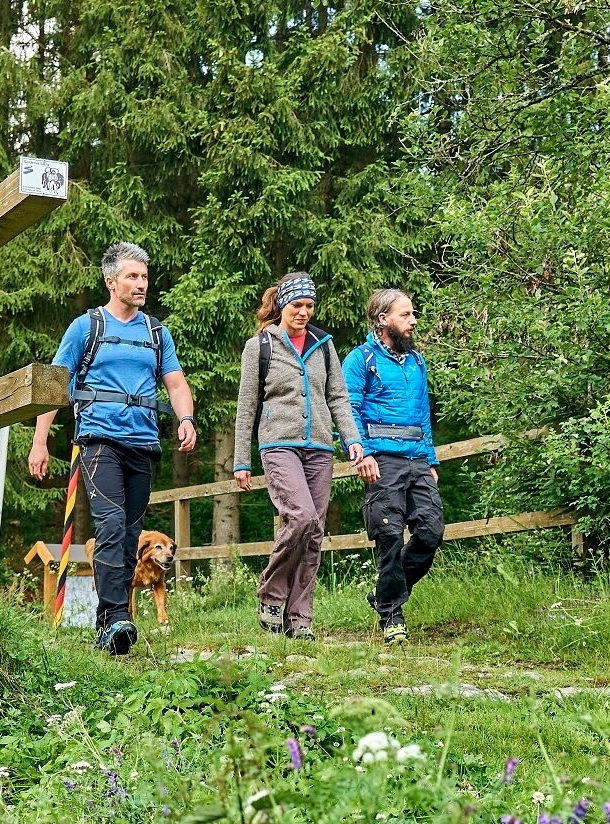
<point x="187" y="418"/>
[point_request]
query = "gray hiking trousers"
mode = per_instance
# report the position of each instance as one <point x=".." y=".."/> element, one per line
<point x="299" y="482"/>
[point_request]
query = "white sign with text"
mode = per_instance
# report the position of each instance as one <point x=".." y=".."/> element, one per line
<point x="48" y="178"/>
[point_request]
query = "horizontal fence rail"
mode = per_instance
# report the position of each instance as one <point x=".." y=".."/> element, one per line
<point x="182" y="496"/>
<point x="446" y="452"/>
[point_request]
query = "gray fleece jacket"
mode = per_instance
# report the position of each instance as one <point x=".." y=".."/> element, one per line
<point x="301" y="401"/>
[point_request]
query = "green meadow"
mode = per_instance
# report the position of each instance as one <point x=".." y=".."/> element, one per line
<point x="496" y="709"/>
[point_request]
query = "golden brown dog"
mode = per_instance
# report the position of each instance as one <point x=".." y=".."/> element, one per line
<point x="154" y="557"/>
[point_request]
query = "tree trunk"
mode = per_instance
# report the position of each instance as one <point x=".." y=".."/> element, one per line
<point x="333" y="517"/>
<point x="225" y="526"/>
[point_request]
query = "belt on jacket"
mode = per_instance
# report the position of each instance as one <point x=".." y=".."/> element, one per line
<point x="103" y="396"/>
<point x="379" y="430"/>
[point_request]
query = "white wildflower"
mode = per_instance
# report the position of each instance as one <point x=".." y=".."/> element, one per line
<point x="134" y="774"/>
<point x="4" y="772"/>
<point x="439" y="744"/>
<point x="277" y="688"/>
<point x="537" y="797"/>
<point x="357" y="754"/>
<point x="81" y="767"/>
<point x="381" y="755"/>
<point x="53" y="720"/>
<point x="374" y="741"/>
<point x="65" y="686"/>
<point x="368" y="758"/>
<point x="412" y="752"/>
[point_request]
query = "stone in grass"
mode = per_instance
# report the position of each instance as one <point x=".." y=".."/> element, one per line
<point x="362" y="714"/>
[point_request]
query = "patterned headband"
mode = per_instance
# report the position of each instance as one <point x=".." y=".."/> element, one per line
<point x="295" y="289"/>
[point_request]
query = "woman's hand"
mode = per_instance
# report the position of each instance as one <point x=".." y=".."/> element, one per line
<point x="356" y="453"/>
<point x="243" y="478"/>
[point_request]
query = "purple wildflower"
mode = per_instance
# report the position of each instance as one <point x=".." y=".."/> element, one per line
<point x="510" y="819"/>
<point x="509" y="769"/>
<point x="117" y="754"/>
<point x="113" y="785"/>
<point x="580" y="811"/>
<point x="176" y="745"/>
<point x="545" y="818"/>
<point x="165" y="810"/>
<point x="295" y="753"/>
<point x="310" y="731"/>
<point x="606" y="809"/>
<point x="165" y="756"/>
<point x="69" y="785"/>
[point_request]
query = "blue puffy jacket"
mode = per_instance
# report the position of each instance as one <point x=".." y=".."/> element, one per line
<point x="398" y="395"/>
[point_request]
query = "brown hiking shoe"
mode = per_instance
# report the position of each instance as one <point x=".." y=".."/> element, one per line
<point x="270" y="617"/>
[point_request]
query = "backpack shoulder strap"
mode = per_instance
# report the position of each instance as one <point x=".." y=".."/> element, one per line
<point x="265" y="344"/>
<point x="370" y="364"/>
<point x="326" y="350"/>
<point x="264" y="359"/>
<point x="155" y="331"/>
<point x="97" y="330"/>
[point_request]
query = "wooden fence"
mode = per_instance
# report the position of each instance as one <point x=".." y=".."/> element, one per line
<point x="182" y="496"/>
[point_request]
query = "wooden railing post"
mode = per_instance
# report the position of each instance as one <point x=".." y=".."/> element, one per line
<point x="580" y="544"/>
<point x="182" y="536"/>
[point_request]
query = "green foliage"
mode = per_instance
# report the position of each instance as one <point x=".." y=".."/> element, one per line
<point x="510" y="123"/>
<point x="149" y="739"/>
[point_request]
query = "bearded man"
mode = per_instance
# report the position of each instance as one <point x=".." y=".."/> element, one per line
<point x="387" y="383"/>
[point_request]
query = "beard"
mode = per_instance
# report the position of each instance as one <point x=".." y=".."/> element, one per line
<point x="402" y="344"/>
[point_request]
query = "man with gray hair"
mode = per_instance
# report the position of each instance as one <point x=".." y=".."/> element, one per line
<point x="116" y="355"/>
<point x="387" y="384"/>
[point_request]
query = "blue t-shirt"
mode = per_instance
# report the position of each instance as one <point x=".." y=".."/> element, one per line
<point x="118" y="367"/>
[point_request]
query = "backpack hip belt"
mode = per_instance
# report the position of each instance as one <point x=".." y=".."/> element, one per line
<point x="103" y="396"/>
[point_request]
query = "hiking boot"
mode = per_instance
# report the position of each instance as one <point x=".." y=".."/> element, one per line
<point x="300" y="631"/>
<point x="395" y="634"/>
<point x="372" y="600"/>
<point x="117" y="639"/>
<point x="270" y="617"/>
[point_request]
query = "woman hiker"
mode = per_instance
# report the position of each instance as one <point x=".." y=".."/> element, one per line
<point x="291" y="391"/>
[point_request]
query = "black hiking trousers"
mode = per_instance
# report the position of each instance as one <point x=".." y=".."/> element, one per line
<point x="405" y="495"/>
<point x="118" y="479"/>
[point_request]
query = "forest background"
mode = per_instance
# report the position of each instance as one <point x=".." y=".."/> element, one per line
<point x="457" y="151"/>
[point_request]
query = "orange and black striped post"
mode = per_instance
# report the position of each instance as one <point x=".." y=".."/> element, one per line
<point x="64" y="559"/>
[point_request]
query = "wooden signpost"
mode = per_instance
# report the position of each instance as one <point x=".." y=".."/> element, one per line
<point x="32" y="191"/>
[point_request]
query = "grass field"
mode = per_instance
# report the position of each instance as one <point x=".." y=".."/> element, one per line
<point x="507" y="659"/>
